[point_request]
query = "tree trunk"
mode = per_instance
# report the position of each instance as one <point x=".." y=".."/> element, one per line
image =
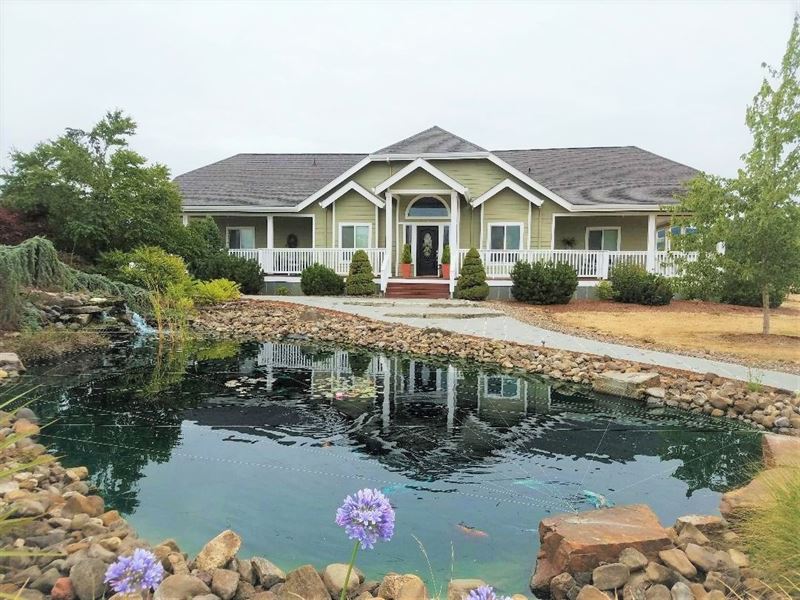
<point x="765" y="311"/>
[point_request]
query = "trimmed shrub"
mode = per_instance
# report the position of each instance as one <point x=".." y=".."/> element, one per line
<point x="405" y="257"/>
<point x="247" y="273"/>
<point x="446" y="254"/>
<point x="543" y="283"/>
<point x="632" y="284"/>
<point x="471" y="283"/>
<point x="319" y="280"/>
<point x="359" y="280"/>
<point x="215" y="291"/>
<point x="605" y="291"/>
<point x="744" y="293"/>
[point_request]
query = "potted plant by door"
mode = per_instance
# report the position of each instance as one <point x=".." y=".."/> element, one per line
<point x="446" y="262"/>
<point x="405" y="262"/>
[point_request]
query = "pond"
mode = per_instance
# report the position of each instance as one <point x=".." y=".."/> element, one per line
<point x="267" y="439"/>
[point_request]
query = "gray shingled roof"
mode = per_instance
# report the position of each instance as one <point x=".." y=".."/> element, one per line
<point x="269" y="180"/>
<point x="611" y="175"/>
<point x="431" y="140"/>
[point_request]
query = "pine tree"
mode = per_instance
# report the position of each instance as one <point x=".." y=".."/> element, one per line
<point x="359" y="280"/>
<point x="471" y="283"/>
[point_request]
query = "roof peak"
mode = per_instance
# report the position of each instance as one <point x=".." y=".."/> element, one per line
<point x="429" y="141"/>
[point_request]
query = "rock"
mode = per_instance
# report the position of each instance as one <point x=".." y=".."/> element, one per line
<point x="27" y="413"/>
<point x="110" y="517"/>
<point x="87" y="579"/>
<point x="224" y="583"/>
<point x="78" y="503"/>
<point x="716" y="595"/>
<point x="658" y="592"/>
<point x="413" y="588"/>
<point x="580" y="542"/>
<point x="633" y="559"/>
<point x="218" y="551"/>
<point x="63" y="589"/>
<point x="246" y="571"/>
<point x="459" y="589"/>
<point x="611" y="576"/>
<point x="206" y="597"/>
<point x="7" y="486"/>
<point x="755" y="494"/>
<point x="266" y="596"/>
<point x="656" y="392"/>
<point x="46" y="581"/>
<point x="304" y="582"/>
<point x="677" y="560"/>
<point x="176" y="563"/>
<point x="333" y="576"/>
<point x="739" y="558"/>
<point x="266" y="573"/>
<point x="703" y="559"/>
<point x="180" y="587"/>
<point x="589" y="592"/>
<point x="698" y="591"/>
<point x="11" y="362"/>
<point x="25" y="427"/>
<point x="77" y="473"/>
<point x="681" y="591"/>
<point x="395" y="586"/>
<point x="562" y="587"/>
<point x="628" y="385"/>
<point x="719" y="581"/>
<point x="245" y="591"/>
<point x="780" y="450"/>
<point x="691" y="535"/>
<point x="705" y="523"/>
<point x="635" y="587"/>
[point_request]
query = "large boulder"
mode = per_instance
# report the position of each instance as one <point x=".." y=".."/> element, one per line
<point x="87" y="579"/>
<point x="334" y="576"/>
<point x="219" y="551"/>
<point x="402" y="587"/>
<point x="628" y="385"/>
<point x="780" y="450"/>
<point x="224" y="583"/>
<point x="11" y="362"/>
<point x="181" y="587"/>
<point x="757" y="493"/>
<point x="581" y="542"/>
<point x="304" y="582"/>
<point x="266" y="573"/>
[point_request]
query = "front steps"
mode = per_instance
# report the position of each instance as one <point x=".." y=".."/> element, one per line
<point x="421" y="289"/>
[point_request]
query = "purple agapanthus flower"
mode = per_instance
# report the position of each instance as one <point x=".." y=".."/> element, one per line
<point x="140" y="572"/>
<point x="367" y="517"/>
<point x="485" y="592"/>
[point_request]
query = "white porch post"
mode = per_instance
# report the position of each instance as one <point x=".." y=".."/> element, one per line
<point x="454" y="245"/>
<point x="651" y="243"/>
<point x="389" y="235"/>
<point x="269" y="266"/>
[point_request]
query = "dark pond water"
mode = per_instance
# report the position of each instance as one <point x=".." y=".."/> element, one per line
<point x="267" y="439"/>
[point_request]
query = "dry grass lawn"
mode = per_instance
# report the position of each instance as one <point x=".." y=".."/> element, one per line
<point x="683" y="325"/>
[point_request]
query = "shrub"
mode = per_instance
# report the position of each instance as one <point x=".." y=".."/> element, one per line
<point x="149" y="267"/>
<point x="605" y="291"/>
<point x="699" y="280"/>
<point x="199" y="241"/>
<point x="319" y="280"/>
<point x="744" y="293"/>
<point x="282" y="290"/>
<point x="215" y="291"/>
<point x="247" y="273"/>
<point x="471" y="283"/>
<point x="359" y="280"/>
<point x="446" y="254"/>
<point x="405" y="257"/>
<point x="543" y="283"/>
<point x="632" y="284"/>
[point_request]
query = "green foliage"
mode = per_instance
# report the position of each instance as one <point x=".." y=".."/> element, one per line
<point x="215" y="291"/>
<point x="35" y="263"/>
<point x="471" y="283"/>
<point x="319" y="280"/>
<point x="745" y="293"/>
<point x="446" y="254"/>
<point x="632" y="284"/>
<point x="50" y="343"/>
<point x="282" y="290"/>
<point x="359" y="279"/>
<point x="699" y="280"/>
<point x="543" y="283"/>
<point x="605" y="291"/>
<point x="94" y="192"/>
<point x="756" y="214"/>
<point x="247" y="273"/>
<point x="405" y="257"/>
<point x="149" y="267"/>
<point x="199" y="241"/>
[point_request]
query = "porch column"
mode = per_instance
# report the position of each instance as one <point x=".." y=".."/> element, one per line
<point x="269" y="263"/>
<point x="453" y="238"/>
<point x="389" y="234"/>
<point x="651" y="243"/>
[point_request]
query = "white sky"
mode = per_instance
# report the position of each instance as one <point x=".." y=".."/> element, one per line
<point x="206" y="80"/>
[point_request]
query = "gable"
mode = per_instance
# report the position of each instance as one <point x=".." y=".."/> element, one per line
<point x="434" y="140"/>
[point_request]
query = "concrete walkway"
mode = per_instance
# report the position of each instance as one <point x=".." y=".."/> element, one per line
<point x="475" y="319"/>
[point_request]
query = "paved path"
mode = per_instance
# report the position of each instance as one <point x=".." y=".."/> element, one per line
<point x="487" y="322"/>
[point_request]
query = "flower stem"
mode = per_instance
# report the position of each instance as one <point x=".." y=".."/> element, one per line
<point x="343" y="595"/>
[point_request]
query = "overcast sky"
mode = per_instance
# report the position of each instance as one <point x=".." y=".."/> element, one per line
<point x="205" y="80"/>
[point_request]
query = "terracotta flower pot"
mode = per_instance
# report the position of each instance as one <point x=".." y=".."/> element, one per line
<point x="445" y="271"/>
<point x="405" y="270"/>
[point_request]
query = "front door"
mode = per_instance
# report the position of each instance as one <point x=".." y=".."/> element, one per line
<point x="427" y="251"/>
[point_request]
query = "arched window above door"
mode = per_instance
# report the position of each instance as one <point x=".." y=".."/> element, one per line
<point x="427" y="207"/>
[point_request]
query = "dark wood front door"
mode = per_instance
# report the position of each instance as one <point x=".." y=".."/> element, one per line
<point x="427" y="251"/>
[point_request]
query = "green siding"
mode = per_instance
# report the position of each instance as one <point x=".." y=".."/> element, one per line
<point x="419" y="179"/>
<point x="542" y="227"/>
<point x="354" y="208"/>
<point x="633" y="232"/>
<point x="506" y="207"/>
<point x="478" y="175"/>
<point x="322" y="219"/>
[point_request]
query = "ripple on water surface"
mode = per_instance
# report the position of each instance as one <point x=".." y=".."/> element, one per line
<point x="267" y="439"/>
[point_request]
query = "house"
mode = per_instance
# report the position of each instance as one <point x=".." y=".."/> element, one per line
<point x="590" y="207"/>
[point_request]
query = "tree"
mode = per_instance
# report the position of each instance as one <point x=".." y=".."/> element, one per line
<point x="359" y="279"/>
<point x="755" y="214"/>
<point x="471" y="283"/>
<point x="95" y="193"/>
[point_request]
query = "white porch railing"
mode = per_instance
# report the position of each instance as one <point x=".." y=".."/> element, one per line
<point x="292" y="261"/>
<point x="595" y="264"/>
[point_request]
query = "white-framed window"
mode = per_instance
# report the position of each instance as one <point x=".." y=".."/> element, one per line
<point x="500" y="386"/>
<point x="664" y="234"/>
<point x="240" y="238"/>
<point x="505" y="236"/>
<point x="355" y="235"/>
<point x="427" y="207"/>
<point x="602" y="238"/>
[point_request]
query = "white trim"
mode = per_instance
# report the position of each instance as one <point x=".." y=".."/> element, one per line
<point x="234" y="210"/>
<point x="422" y="164"/>
<point x="430" y="155"/>
<point x="619" y="237"/>
<point x="651" y="243"/>
<point x="553" y="229"/>
<point x="416" y="192"/>
<point x="355" y="224"/>
<point x="333" y="227"/>
<point x="411" y="203"/>
<point x="519" y="224"/>
<point x="231" y="227"/>
<point x="313" y="225"/>
<point x="530" y="227"/>
<point x="507" y="184"/>
<point x="354" y="187"/>
<point x="270" y="231"/>
<point x="525" y="179"/>
<point x="184" y="219"/>
<point x="377" y="227"/>
<point x="324" y="190"/>
<point x="480" y="239"/>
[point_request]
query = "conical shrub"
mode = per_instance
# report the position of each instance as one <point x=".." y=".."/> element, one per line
<point x="471" y="283"/>
<point x="359" y="280"/>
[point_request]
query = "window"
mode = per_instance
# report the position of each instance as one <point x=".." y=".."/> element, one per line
<point x="355" y="235"/>
<point x="427" y="207"/>
<point x="241" y="238"/>
<point x="498" y="386"/>
<point x="505" y="237"/>
<point x="661" y="240"/>
<point x="602" y="238"/>
<point x="663" y="235"/>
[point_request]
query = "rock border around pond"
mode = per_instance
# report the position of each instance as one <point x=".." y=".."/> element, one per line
<point x="765" y="408"/>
